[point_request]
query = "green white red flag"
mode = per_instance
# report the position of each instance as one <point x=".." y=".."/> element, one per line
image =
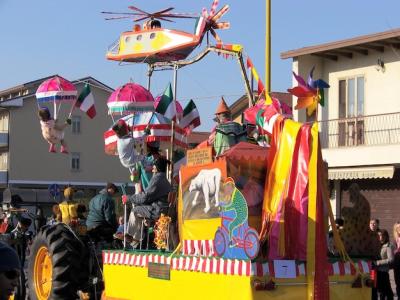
<point x="166" y="106"/>
<point x="85" y="102"/>
<point x="190" y="118"/>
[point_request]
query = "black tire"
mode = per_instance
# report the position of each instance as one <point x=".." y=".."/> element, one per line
<point x="69" y="262"/>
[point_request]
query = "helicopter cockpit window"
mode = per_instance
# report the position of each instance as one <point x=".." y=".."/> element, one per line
<point x="139" y="37"/>
<point x="152" y="36"/>
<point x="155" y="24"/>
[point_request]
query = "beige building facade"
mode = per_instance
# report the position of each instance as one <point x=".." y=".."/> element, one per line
<point x="360" y="123"/>
<point x="25" y="162"/>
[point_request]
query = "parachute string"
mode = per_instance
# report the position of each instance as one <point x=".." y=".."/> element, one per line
<point x="58" y="110"/>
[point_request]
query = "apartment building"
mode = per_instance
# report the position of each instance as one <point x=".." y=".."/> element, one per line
<point x="26" y="166"/>
<point x="360" y="123"/>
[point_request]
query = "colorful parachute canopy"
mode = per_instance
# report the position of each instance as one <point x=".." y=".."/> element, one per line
<point x="149" y="125"/>
<point x="56" y="89"/>
<point x="130" y="98"/>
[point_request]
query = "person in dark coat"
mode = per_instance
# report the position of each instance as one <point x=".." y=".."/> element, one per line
<point x="383" y="265"/>
<point x="101" y="220"/>
<point x="10" y="267"/>
<point x="152" y="202"/>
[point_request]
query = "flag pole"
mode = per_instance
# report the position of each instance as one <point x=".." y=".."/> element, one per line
<point x="175" y="85"/>
<point x="171" y="170"/>
<point x="268" y="48"/>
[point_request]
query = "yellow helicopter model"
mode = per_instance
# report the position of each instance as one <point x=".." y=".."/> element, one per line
<point x="151" y="43"/>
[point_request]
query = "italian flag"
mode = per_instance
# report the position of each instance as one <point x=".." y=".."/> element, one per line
<point x="167" y="106"/>
<point x="179" y="160"/>
<point x="85" y="102"/>
<point x="190" y="118"/>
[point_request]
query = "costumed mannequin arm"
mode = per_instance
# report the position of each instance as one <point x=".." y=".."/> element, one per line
<point x="58" y="126"/>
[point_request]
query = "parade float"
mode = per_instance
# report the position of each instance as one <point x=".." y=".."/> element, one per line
<point x="253" y="221"/>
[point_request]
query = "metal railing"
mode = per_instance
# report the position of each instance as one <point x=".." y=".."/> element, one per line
<point x="383" y="129"/>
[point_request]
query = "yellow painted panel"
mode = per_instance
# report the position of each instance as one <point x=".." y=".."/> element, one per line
<point x="126" y="282"/>
<point x="160" y="41"/>
<point x="137" y="47"/>
<point x="122" y="45"/>
<point x="201" y="229"/>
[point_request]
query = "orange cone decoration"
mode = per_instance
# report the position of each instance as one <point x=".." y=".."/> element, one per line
<point x="222" y="107"/>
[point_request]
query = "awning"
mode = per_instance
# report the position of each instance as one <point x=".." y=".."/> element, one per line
<point x="361" y="172"/>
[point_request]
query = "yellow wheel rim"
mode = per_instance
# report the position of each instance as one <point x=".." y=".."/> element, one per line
<point x="43" y="273"/>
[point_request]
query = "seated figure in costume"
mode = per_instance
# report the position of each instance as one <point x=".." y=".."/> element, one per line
<point x="52" y="131"/>
<point x="152" y="202"/>
<point x="227" y="133"/>
<point x="144" y="168"/>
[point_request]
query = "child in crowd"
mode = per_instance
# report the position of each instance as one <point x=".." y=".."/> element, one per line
<point x="52" y="131"/>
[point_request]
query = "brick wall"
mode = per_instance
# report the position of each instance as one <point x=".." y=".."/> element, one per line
<point x="383" y="196"/>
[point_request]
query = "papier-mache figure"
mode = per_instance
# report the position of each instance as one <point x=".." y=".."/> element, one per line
<point x="52" y="130"/>
<point x="130" y="149"/>
<point x="234" y="201"/>
<point x="227" y="133"/>
<point x="145" y="166"/>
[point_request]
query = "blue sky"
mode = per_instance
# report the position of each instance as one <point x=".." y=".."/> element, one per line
<point x="44" y="37"/>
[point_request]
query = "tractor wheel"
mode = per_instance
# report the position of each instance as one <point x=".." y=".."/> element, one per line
<point x="58" y="264"/>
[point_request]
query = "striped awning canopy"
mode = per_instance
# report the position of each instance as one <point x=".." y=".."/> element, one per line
<point x="361" y="172"/>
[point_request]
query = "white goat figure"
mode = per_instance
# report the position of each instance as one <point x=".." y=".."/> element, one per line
<point x="208" y="182"/>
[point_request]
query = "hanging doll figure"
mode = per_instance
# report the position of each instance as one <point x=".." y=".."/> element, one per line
<point x="130" y="150"/>
<point x="52" y="131"/>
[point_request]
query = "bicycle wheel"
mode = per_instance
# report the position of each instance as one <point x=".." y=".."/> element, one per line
<point x="220" y="242"/>
<point x="251" y="244"/>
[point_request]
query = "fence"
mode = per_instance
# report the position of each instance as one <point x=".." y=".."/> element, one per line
<point x="383" y="129"/>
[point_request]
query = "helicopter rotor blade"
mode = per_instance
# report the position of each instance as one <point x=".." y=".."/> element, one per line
<point x="164" y="19"/>
<point x="215" y="35"/>
<point x="204" y="13"/>
<point x="213" y="8"/>
<point x="220" y="13"/>
<point x="117" y="18"/>
<point x="178" y="16"/>
<point x="163" y="11"/>
<point x="120" y="13"/>
<point x="152" y="17"/>
<point x="222" y="25"/>
<point x="138" y="9"/>
<point x="141" y="18"/>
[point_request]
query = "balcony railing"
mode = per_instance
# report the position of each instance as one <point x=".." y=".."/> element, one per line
<point x="381" y="129"/>
<point x="3" y="138"/>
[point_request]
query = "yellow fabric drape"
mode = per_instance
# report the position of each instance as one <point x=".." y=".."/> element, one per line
<point x="312" y="212"/>
<point x="281" y="166"/>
